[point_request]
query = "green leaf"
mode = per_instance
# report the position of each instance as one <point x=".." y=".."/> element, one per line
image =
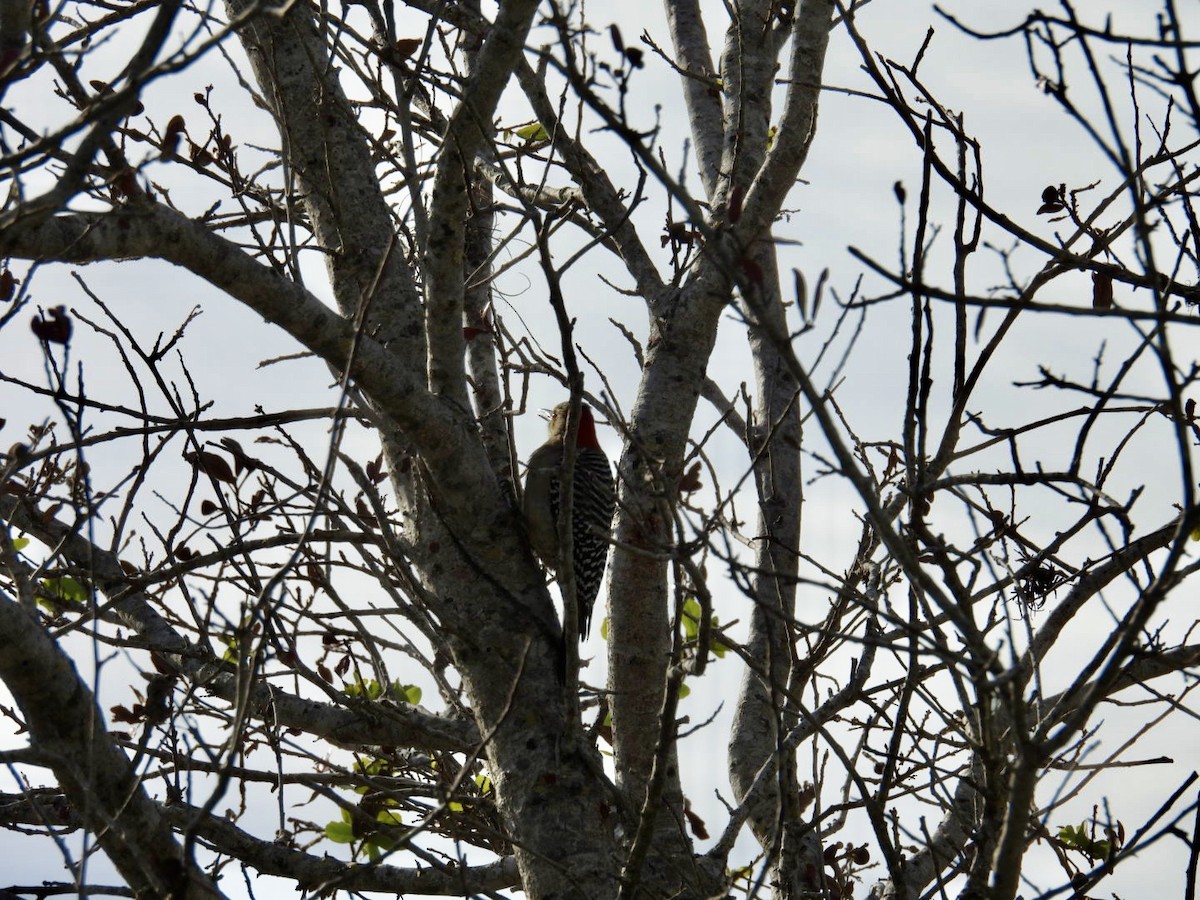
<point x="1078" y="838"/>
<point x="20" y="543"/>
<point x="371" y="689"/>
<point x="691" y="618"/>
<point x="339" y="832"/>
<point x="379" y="844"/>
<point x="692" y="613"/>
<point x="407" y="693"/>
<point x="66" y="588"/>
<point x="684" y="690"/>
<point x="531" y="132"/>
<point x="389" y="817"/>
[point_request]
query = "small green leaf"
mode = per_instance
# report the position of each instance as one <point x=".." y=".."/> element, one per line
<point x="20" y="543"/>
<point x="531" y="132"/>
<point x="374" y="766"/>
<point x="1078" y="838"/>
<point x="371" y="689"/>
<point x="379" y="844"/>
<point x="66" y="588"/>
<point x="743" y="872"/>
<point x="339" y="832"/>
<point x="406" y="693"/>
<point x="389" y="817"/>
<point x="691" y="618"/>
<point x="684" y="690"/>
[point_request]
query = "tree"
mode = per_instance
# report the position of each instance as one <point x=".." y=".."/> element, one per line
<point x="232" y="608"/>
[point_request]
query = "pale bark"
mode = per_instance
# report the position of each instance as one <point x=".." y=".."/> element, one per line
<point x="68" y="729"/>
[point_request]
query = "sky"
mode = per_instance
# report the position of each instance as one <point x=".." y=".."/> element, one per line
<point x="847" y="199"/>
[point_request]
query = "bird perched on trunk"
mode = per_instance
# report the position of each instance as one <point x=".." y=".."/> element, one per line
<point x="593" y="501"/>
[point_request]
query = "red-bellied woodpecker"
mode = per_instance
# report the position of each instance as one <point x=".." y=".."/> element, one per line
<point x="593" y="500"/>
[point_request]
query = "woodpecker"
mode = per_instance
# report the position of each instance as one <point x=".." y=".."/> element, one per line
<point x="593" y="501"/>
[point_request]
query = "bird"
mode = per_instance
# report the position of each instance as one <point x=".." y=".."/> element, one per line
<point x="594" y="500"/>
